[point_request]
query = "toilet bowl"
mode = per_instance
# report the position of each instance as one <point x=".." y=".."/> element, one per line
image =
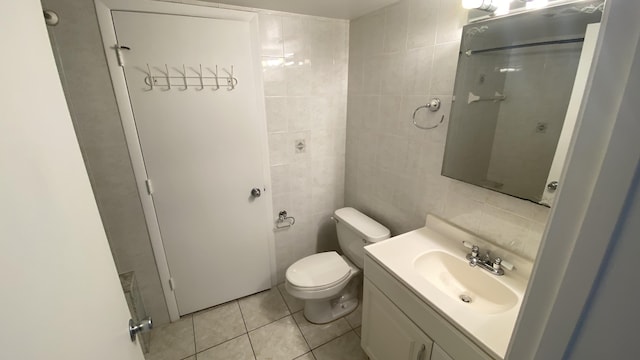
<point x="329" y="282"/>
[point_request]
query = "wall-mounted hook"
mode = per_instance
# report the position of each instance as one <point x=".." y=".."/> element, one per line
<point x="167" y="75"/>
<point x="184" y="76"/>
<point x="230" y="81"/>
<point x="201" y="81"/>
<point x="150" y="77"/>
<point x="217" y="83"/>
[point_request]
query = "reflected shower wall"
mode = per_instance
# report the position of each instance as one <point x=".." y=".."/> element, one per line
<point x="529" y="125"/>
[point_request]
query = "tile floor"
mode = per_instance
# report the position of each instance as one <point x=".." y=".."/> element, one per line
<point x="265" y="326"/>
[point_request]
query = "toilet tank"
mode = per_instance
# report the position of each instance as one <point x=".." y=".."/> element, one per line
<point x="355" y="230"/>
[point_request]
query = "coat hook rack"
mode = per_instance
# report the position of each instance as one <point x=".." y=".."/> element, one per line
<point x="184" y="81"/>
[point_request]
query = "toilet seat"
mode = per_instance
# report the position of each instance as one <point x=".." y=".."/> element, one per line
<point x="318" y="271"/>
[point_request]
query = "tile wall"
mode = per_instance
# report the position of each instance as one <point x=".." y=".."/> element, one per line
<point x="305" y="62"/>
<point x="400" y="57"/>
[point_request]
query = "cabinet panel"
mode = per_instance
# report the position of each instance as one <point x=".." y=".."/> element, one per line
<point x="456" y="344"/>
<point x="387" y="333"/>
<point x="438" y="354"/>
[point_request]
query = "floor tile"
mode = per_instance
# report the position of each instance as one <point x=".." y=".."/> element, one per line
<point x="280" y="340"/>
<point x="294" y="304"/>
<point x="358" y="331"/>
<point x="263" y="308"/>
<point x="236" y="349"/>
<point x="355" y="318"/>
<point x="317" y="335"/>
<point x="307" y="356"/>
<point x="217" y="325"/>
<point x="346" y="347"/>
<point x="173" y="341"/>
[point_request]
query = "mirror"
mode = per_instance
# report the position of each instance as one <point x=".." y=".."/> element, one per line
<point x="513" y="88"/>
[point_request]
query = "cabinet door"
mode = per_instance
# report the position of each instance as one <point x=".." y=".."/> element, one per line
<point x="387" y="333"/>
<point x="439" y="354"/>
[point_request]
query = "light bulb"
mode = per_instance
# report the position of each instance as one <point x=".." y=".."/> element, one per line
<point x="471" y="4"/>
<point x="486" y="5"/>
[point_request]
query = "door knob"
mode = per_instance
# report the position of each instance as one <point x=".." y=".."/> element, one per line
<point x="255" y="192"/>
<point x="144" y="326"/>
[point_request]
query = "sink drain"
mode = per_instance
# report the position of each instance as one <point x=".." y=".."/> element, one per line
<point x="465" y="298"/>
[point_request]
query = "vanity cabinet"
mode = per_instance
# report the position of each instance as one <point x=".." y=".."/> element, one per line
<point x="438" y="354"/>
<point x="398" y="325"/>
<point x="389" y="334"/>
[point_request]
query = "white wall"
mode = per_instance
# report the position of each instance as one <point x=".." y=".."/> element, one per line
<point x="400" y="57"/>
<point x="61" y="298"/>
<point x="609" y="326"/>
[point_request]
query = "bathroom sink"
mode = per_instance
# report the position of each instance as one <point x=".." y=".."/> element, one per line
<point x="469" y="286"/>
<point x="431" y="263"/>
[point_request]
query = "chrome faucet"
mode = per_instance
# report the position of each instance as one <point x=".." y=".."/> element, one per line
<point x="493" y="266"/>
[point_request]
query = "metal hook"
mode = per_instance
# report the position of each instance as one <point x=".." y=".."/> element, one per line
<point x="201" y="81"/>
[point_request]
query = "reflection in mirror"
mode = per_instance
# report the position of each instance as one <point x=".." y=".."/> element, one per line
<point x="513" y="87"/>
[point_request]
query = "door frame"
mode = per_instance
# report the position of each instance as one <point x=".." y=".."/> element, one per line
<point x="197" y="9"/>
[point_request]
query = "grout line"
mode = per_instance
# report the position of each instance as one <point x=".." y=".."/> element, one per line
<point x="328" y="341"/>
<point x="247" y="330"/>
<point x="226" y="341"/>
<point x="193" y="326"/>
<point x="285" y="301"/>
<point x="302" y="333"/>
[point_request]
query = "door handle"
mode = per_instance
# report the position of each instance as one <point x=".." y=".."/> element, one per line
<point x="255" y="192"/>
<point x="421" y="352"/>
<point x="144" y="326"/>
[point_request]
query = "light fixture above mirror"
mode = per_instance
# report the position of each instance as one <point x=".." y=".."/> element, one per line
<point x="484" y="5"/>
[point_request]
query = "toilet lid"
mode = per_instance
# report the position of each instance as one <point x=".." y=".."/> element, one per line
<point x="318" y="270"/>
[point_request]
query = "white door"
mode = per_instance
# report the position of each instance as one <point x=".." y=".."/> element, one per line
<point x="202" y="151"/>
<point x="61" y="298"/>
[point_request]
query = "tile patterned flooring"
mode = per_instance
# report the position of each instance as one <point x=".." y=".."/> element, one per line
<point x="265" y="326"/>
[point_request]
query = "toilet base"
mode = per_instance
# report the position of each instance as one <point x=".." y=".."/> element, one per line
<point x="325" y="311"/>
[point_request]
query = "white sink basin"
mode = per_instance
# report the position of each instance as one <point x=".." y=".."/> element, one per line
<point x="469" y="286"/>
<point x="431" y="262"/>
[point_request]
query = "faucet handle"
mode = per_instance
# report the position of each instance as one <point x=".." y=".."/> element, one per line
<point x="475" y="250"/>
<point x="496" y="263"/>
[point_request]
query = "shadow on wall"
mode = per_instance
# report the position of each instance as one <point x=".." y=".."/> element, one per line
<point x="327" y="236"/>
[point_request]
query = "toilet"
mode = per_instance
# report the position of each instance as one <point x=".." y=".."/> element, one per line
<point x="328" y="282"/>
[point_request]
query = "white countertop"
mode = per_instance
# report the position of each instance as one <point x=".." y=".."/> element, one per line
<point x="492" y="332"/>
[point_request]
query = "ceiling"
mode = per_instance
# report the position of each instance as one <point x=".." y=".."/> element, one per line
<point x="339" y="9"/>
